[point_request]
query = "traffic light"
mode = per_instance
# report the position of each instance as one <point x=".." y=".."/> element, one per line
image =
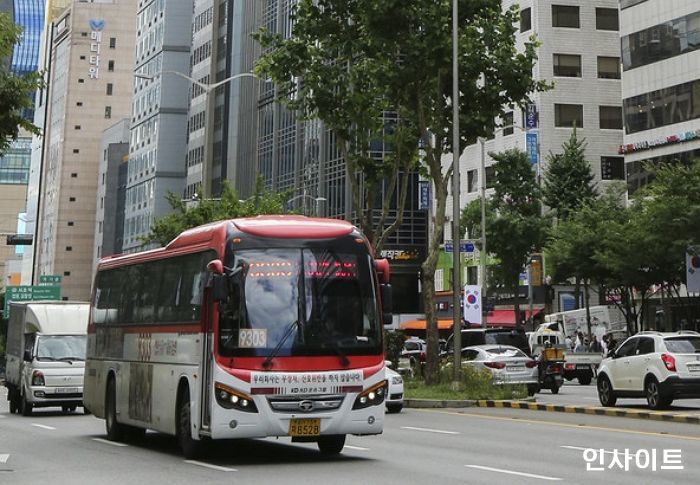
<point x="20" y="239"/>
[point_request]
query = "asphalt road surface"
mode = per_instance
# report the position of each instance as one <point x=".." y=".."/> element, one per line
<point x="474" y="445"/>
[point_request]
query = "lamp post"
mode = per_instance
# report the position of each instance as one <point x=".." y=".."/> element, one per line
<point x="456" y="236"/>
<point x="207" y="88"/>
<point x="306" y="196"/>
<point x="482" y="177"/>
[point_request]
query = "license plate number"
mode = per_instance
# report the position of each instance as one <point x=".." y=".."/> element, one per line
<point x="66" y="390"/>
<point x="583" y="366"/>
<point x="694" y="368"/>
<point x="305" y="427"/>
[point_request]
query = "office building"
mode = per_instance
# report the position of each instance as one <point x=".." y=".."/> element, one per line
<point x="111" y="191"/>
<point x="158" y="141"/>
<point x="91" y="58"/>
<point x="660" y="84"/>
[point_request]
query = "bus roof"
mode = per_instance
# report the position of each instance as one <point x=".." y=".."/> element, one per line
<point x="279" y="226"/>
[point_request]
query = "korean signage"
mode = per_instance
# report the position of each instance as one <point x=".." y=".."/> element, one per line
<point x="531" y="116"/>
<point x="397" y="255"/>
<point x="423" y="195"/>
<point x="532" y="149"/>
<point x="30" y="293"/>
<point x="50" y="280"/>
<point x="464" y="246"/>
<point x="96" y="27"/>
<point x="664" y="140"/>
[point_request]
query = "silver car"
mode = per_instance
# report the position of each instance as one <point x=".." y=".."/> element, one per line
<point x="394" y="398"/>
<point x="507" y="364"/>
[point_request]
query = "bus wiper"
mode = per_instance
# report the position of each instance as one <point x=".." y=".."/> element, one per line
<point x="344" y="361"/>
<point x="268" y="361"/>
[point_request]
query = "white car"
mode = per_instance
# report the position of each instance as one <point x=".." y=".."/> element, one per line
<point x="394" y="397"/>
<point x="658" y="366"/>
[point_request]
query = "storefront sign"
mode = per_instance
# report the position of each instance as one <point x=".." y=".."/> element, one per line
<point x="664" y="140"/>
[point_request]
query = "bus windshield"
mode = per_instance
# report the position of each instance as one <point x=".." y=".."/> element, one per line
<point x="300" y="301"/>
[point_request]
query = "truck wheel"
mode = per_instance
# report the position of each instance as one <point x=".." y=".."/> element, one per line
<point x="331" y="444"/>
<point x="115" y="431"/>
<point x="25" y="407"/>
<point x="190" y="447"/>
<point x="585" y="380"/>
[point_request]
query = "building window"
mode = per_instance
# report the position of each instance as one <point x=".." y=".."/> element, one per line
<point x="108" y="111"/>
<point x="71" y="199"/>
<point x="608" y="67"/>
<point x="565" y="115"/>
<point x="612" y="168"/>
<point x="74" y="175"/>
<point x="525" y="19"/>
<point x="77" y="127"/>
<point x="110" y="66"/>
<point x="83" y="34"/>
<point x="69" y="248"/>
<point x="508" y="124"/>
<point x="606" y="19"/>
<point x="110" y="88"/>
<point x="71" y="223"/>
<point x="610" y="117"/>
<point x="66" y="273"/>
<point x="82" y="58"/>
<point x="472" y="180"/>
<point x="565" y="16"/>
<point x="567" y="65"/>
<point x="79" y="103"/>
<point x="81" y="81"/>
<point x="76" y="150"/>
<point x="630" y="3"/>
<point x="112" y="42"/>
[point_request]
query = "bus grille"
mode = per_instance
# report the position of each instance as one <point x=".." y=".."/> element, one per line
<point x="305" y="404"/>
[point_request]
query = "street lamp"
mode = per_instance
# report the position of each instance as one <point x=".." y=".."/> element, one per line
<point x="456" y="236"/>
<point x="306" y="196"/>
<point x="207" y="88"/>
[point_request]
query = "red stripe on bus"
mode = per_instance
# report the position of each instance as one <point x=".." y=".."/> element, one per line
<point x="370" y="364"/>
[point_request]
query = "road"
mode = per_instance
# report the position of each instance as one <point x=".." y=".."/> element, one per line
<point x="474" y="445"/>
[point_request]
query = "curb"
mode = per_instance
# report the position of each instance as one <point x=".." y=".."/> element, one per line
<point x="598" y="411"/>
<point x="450" y="403"/>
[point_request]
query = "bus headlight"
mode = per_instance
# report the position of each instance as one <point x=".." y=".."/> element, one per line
<point x="229" y="398"/>
<point x="371" y="397"/>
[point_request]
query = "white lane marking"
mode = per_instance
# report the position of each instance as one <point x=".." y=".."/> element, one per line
<point x="358" y="448"/>
<point x="429" y="430"/>
<point x="511" y="472"/>
<point x="107" y="442"/>
<point x="581" y="448"/>
<point x="4" y="457"/>
<point x="209" y="465"/>
<point x="42" y="426"/>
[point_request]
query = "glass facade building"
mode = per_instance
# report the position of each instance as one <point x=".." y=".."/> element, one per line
<point x="29" y="14"/>
<point x="14" y="164"/>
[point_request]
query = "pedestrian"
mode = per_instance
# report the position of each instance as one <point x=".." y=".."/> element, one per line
<point x="604" y="344"/>
<point x="579" y="344"/>
<point x="595" y="345"/>
<point x="569" y="343"/>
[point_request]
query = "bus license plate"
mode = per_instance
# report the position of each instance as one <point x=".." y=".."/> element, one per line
<point x="305" y="427"/>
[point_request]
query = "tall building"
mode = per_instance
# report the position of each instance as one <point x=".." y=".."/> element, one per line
<point x="15" y="162"/>
<point x="111" y="191"/>
<point x="660" y="84"/>
<point x="221" y="131"/>
<point x="158" y="143"/>
<point x="580" y="55"/>
<point x="91" y="58"/>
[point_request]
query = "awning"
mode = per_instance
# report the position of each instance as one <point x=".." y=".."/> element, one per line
<point x="443" y="324"/>
<point x="506" y="318"/>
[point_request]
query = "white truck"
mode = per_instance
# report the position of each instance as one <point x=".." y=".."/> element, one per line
<point x="45" y="355"/>
<point x="604" y="319"/>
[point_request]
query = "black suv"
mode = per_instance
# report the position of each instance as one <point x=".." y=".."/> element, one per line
<point x="482" y="336"/>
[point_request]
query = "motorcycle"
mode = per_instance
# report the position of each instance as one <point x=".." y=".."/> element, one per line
<point x="551" y="369"/>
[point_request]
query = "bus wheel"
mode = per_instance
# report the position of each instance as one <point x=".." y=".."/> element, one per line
<point x="332" y="444"/>
<point x="190" y="447"/>
<point x="115" y="431"/>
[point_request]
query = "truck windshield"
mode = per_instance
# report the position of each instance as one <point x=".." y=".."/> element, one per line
<point x="306" y="301"/>
<point x="61" y="347"/>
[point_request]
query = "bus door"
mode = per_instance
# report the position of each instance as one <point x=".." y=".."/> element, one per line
<point x="207" y="363"/>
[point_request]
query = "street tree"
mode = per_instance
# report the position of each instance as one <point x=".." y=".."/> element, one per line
<point x="518" y="229"/>
<point x="568" y="179"/>
<point x="329" y="69"/>
<point x="16" y="90"/>
<point x="189" y="214"/>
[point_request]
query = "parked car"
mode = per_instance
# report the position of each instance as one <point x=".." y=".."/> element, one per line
<point x="507" y="364"/>
<point x="394" y="397"/>
<point x="658" y="366"/>
<point x="485" y="336"/>
<point x="414" y="350"/>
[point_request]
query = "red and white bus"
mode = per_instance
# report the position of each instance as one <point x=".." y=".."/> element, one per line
<point x="253" y="327"/>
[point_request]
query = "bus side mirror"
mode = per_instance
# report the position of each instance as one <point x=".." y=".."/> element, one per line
<point x="382" y="267"/>
<point x="216" y="266"/>
<point x="219" y="287"/>
<point x="386" y="303"/>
